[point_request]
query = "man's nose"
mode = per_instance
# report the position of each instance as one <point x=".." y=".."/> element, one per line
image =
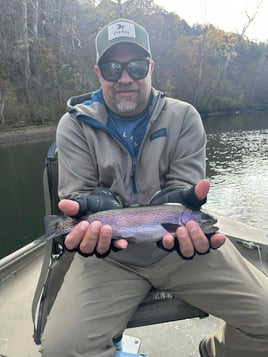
<point x="125" y="77"/>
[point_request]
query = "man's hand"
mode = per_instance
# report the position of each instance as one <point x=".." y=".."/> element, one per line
<point x="88" y="238"/>
<point x="190" y="238"/>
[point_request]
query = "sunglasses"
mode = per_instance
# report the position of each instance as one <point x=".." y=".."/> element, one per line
<point x="136" y="69"/>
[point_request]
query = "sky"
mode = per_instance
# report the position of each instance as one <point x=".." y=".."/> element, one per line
<point x="228" y="15"/>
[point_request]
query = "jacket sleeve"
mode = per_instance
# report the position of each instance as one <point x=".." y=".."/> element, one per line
<point x="77" y="167"/>
<point x="187" y="151"/>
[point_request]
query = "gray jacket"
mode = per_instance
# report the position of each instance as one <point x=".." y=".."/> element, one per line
<point x="172" y="154"/>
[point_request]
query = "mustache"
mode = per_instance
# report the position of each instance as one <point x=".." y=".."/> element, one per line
<point x="125" y="88"/>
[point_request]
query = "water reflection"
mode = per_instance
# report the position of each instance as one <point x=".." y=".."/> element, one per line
<point x="238" y="171"/>
<point x="236" y="123"/>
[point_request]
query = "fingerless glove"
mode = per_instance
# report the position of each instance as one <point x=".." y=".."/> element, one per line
<point x="101" y="199"/>
<point x="174" y="195"/>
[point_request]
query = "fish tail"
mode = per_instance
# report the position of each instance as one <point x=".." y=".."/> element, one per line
<point x="51" y="223"/>
<point x="53" y="226"/>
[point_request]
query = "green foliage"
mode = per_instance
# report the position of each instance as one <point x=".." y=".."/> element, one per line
<point x="49" y="55"/>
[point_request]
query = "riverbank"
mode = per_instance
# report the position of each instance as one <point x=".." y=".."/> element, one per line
<point x="28" y="134"/>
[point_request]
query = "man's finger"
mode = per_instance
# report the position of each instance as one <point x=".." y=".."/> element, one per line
<point x="90" y="239"/>
<point x="104" y="241"/>
<point x="168" y="241"/>
<point x="69" y="207"/>
<point x="120" y="243"/>
<point x="202" y="189"/>
<point x="187" y="249"/>
<point x="198" y="238"/>
<point x="217" y="240"/>
<point x="74" y="238"/>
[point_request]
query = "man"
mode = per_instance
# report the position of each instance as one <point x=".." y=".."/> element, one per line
<point x="127" y="144"/>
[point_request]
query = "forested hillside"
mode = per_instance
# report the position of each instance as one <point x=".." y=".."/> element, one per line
<point x="47" y="54"/>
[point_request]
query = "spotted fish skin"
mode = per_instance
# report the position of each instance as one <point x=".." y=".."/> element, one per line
<point x="137" y="224"/>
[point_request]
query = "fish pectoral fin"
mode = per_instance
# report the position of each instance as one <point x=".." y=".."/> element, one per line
<point x="170" y="227"/>
<point x="210" y="230"/>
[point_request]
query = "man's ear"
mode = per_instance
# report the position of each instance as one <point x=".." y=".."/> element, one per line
<point x="97" y="70"/>
<point x="151" y="66"/>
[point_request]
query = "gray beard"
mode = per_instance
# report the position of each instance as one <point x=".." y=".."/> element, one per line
<point x="126" y="108"/>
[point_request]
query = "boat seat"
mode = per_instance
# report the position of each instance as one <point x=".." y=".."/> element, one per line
<point x="158" y="306"/>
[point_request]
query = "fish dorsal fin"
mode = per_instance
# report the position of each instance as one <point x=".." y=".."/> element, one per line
<point x="170" y="227"/>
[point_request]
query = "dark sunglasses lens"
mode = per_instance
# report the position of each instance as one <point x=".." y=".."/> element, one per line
<point x="112" y="71"/>
<point x="138" y="69"/>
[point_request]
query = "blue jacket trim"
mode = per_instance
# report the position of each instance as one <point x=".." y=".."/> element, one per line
<point x="159" y="133"/>
<point x="95" y="97"/>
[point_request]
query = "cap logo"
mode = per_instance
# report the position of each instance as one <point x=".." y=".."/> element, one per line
<point x="121" y="29"/>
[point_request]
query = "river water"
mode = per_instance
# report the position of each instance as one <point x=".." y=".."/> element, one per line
<point x="237" y="166"/>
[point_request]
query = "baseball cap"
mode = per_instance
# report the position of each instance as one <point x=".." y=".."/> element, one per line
<point x="121" y="31"/>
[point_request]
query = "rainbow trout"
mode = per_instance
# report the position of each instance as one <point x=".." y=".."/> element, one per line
<point x="136" y="224"/>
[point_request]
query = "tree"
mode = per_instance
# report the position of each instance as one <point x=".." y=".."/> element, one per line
<point x="230" y="52"/>
<point x="47" y="54"/>
<point x="27" y="72"/>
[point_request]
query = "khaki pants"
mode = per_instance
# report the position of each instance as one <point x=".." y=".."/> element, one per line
<point x="99" y="296"/>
